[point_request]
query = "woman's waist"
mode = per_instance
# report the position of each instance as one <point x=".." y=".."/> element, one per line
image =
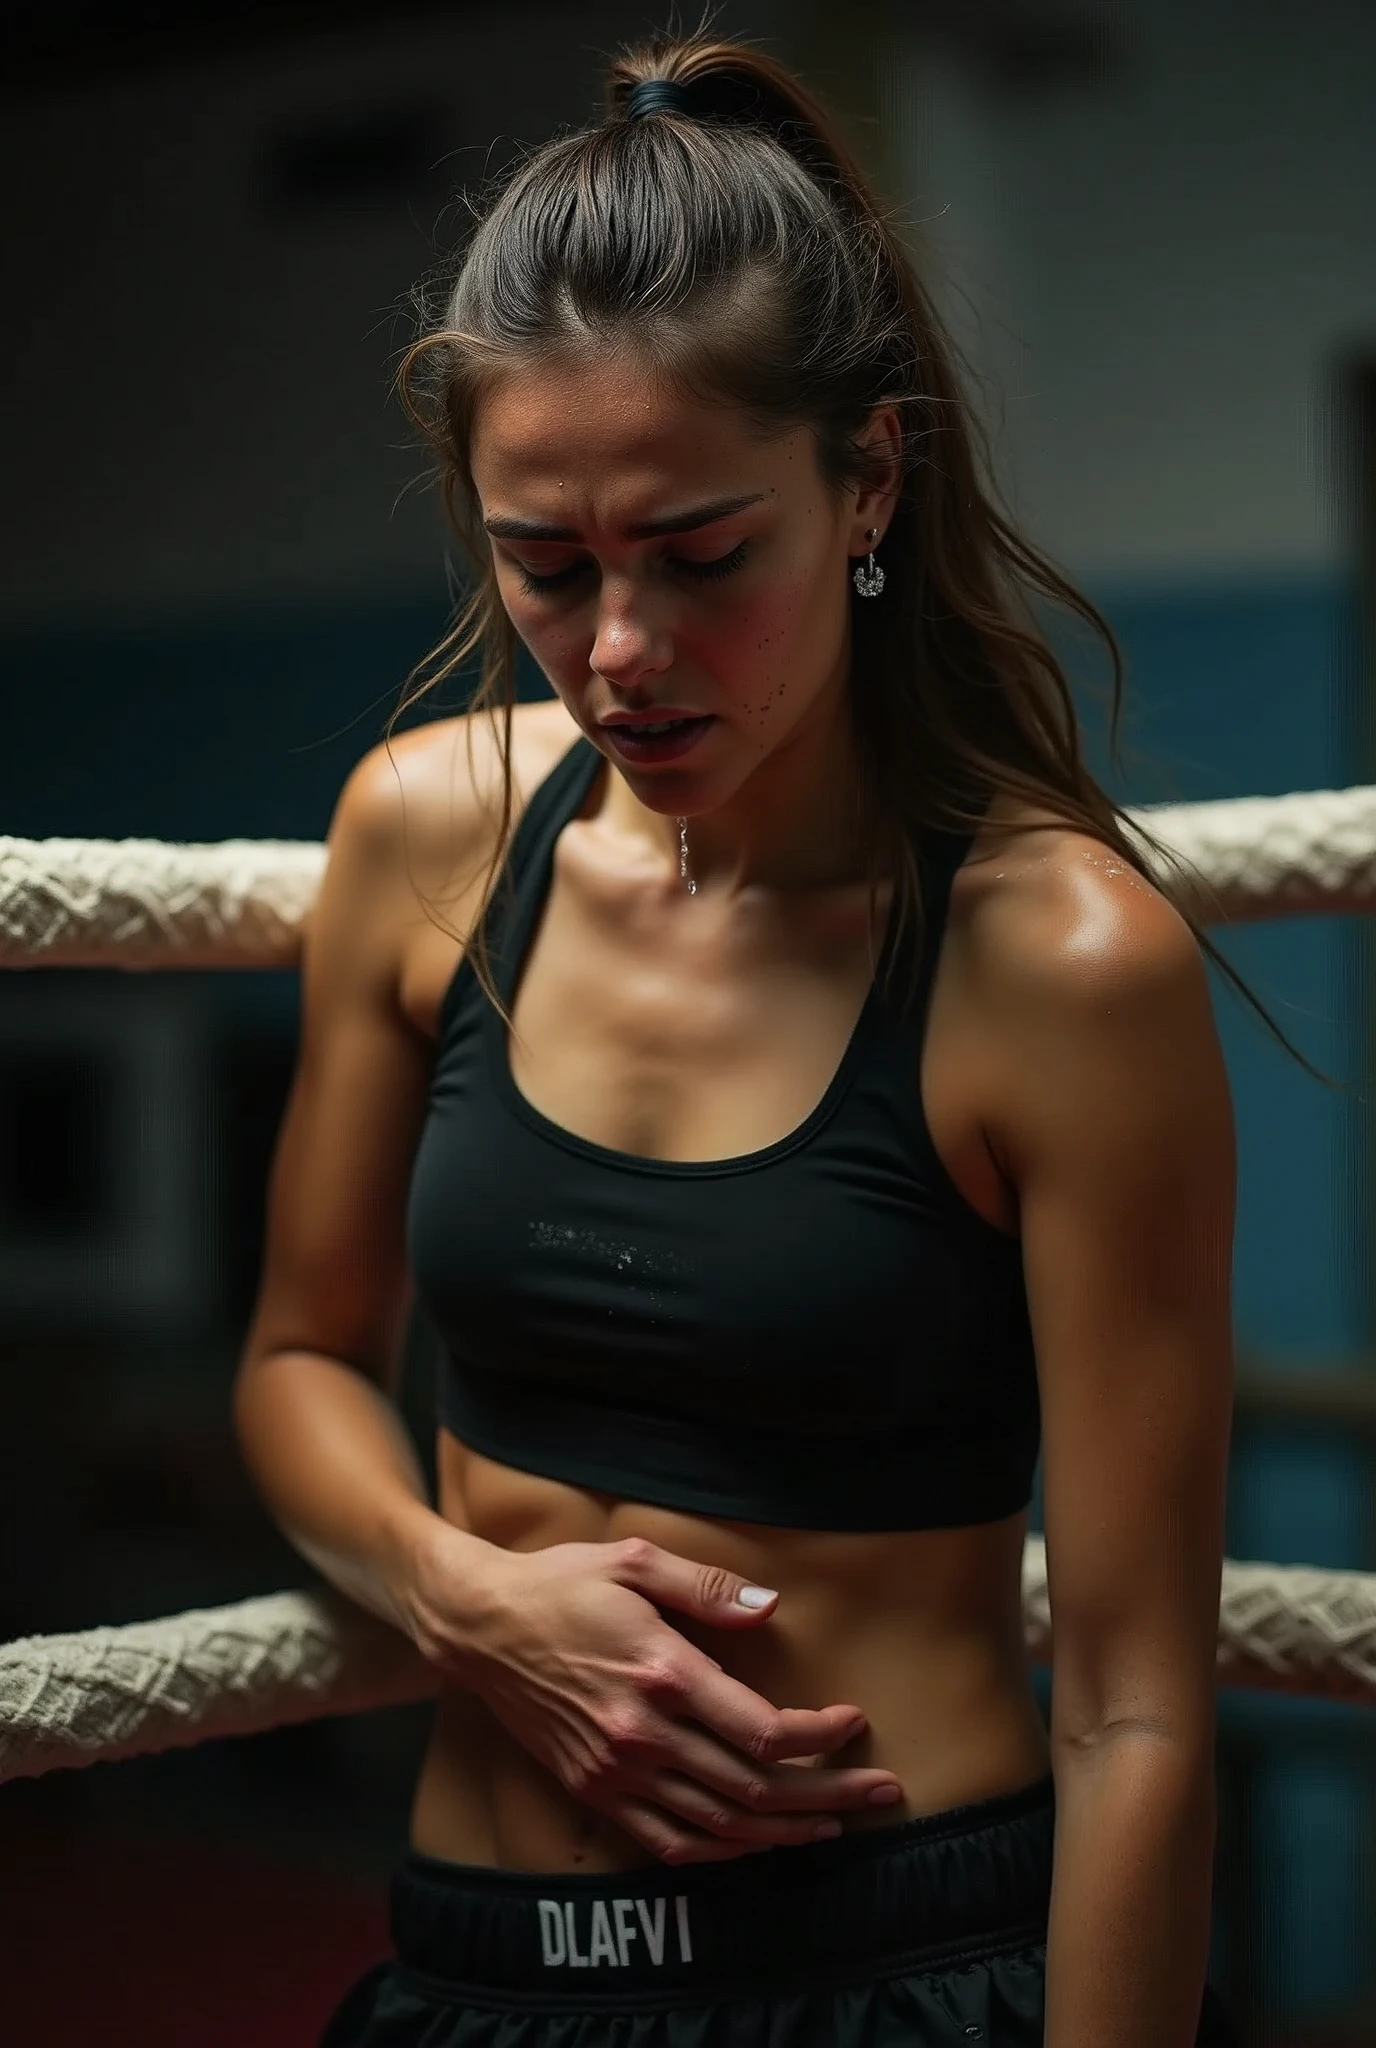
<point x="955" y="1725"/>
<point x="915" y="1627"/>
<point x="921" y="1630"/>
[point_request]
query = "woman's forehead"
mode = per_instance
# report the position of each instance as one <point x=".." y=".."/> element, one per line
<point x="612" y="414"/>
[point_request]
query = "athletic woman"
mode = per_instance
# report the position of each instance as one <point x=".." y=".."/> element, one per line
<point x="774" y="1070"/>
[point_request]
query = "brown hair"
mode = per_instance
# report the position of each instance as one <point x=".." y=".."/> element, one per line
<point x="737" y="249"/>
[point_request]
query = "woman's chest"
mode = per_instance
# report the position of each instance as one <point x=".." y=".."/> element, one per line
<point x="713" y="1053"/>
<point x="692" y="1054"/>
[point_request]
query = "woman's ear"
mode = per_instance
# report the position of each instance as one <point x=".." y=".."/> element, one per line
<point x="875" y="501"/>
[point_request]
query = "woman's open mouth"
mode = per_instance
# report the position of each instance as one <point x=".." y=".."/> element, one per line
<point x="668" y="739"/>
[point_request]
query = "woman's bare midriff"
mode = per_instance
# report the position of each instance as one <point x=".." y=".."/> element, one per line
<point x="922" y="1631"/>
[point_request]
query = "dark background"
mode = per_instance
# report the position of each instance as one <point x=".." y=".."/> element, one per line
<point x="1152" y="227"/>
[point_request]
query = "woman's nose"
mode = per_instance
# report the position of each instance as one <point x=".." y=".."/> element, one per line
<point x="629" y="643"/>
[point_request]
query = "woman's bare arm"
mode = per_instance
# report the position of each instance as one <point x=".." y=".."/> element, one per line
<point x="1116" y="1127"/>
<point x="314" y="1403"/>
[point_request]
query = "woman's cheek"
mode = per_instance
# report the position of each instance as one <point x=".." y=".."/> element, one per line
<point x="771" y="664"/>
<point x="559" y="652"/>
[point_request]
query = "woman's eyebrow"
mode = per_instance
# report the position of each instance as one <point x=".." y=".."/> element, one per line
<point x="649" y="529"/>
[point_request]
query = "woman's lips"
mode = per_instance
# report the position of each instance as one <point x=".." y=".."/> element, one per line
<point x="644" y="745"/>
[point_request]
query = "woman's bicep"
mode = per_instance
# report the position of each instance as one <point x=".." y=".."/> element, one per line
<point x="334" y="1275"/>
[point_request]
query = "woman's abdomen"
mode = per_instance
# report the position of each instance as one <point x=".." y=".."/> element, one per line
<point x="921" y="1629"/>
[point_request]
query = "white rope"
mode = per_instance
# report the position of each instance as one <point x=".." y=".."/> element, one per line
<point x="1272" y="856"/>
<point x="109" y="1693"/>
<point x="119" y="1692"/>
<point x="241" y="902"/>
<point x="143" y="903"/>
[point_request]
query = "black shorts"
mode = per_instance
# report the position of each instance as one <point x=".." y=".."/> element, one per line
<point x="929" y="1932"/>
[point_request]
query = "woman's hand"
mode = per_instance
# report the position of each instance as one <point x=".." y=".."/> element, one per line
<point x="569" y="1653"/>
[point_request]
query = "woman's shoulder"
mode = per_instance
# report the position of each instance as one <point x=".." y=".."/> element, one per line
<point x="1088" y="1002"/>
<point x="427" y="803"/>
<point x="1048" y="911"/>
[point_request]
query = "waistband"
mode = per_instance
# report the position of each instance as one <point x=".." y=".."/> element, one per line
<point x="936" y="1892"/>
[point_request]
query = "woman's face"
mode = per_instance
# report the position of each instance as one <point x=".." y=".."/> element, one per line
<point x="659" y="559"/>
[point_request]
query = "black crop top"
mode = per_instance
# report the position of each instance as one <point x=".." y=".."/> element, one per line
<point x="820" y="1335"/>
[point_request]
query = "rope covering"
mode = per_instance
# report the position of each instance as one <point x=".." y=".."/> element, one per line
<point x="143" y="903"/>
<point x="108" y="1693"/>
<point x="1270" y="856"/>
<point x="138" y="903"/>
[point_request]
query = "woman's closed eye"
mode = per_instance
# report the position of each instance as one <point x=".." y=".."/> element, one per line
<point x="699" y="572"/>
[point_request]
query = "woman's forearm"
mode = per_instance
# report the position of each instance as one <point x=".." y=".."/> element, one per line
<point x="1127" y="1950"/>
<point x="339" y="1475"/>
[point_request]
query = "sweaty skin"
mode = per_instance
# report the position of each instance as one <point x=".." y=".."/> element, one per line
<point x="703" y="1058"/>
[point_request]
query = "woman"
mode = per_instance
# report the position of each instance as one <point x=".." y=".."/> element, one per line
<point x="805" y="1099"/>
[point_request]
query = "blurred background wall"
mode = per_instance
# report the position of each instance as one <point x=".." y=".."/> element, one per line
<point x="1152" y="229"/>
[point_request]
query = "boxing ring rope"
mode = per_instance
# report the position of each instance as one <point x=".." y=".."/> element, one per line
<point x="109" y="1693"/>
<point x="241" y="902"/>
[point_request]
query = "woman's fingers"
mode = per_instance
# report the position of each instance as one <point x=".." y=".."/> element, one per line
<point x="763" y="1733"/>
<point x="764" y="1803"/>
<point x="772" y="1788"/>
<point x="688" y="1799"/>
<point x="669" y="1841"/>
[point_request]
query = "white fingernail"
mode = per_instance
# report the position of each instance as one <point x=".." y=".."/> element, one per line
<point x="755" y="1596"/>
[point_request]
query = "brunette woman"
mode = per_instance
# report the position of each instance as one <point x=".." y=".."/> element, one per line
<point x="773" y="1067"/>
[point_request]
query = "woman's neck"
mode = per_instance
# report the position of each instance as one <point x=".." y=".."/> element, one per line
<point x="795" y="823"/>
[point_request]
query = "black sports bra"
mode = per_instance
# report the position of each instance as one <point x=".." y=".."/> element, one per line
<point x="819" y="1335"/>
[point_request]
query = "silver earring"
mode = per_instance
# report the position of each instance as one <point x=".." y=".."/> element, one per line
<point x="684" y="875"/>
<point x="869" y="577"/>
